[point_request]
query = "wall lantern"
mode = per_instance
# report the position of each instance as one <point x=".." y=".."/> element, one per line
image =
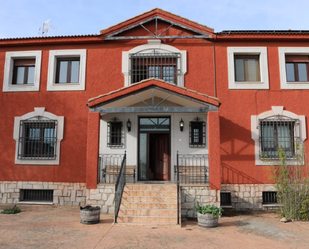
<point x="181" y="125"/>
<point x="129" y="125"/>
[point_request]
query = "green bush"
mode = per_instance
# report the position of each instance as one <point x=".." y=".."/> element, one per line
<point x="14" y="210"/>
<point x="208" y="209"/>
<point x="292" y="183"/>
<point x="304" y="211"/>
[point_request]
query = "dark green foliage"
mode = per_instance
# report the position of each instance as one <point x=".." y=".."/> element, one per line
<point x="14" y="210"/>
<point x="208" y="209"/>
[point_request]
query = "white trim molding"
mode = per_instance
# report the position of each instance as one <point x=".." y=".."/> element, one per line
<point x="51" y="79"/>
<point x="262" y="52"/>
<point x="39" y="112"/>
<point x="255" y="134"/>
<point x="9" y="68"/>
<point x="283" y="51"/>
<point x="154" y="44"/>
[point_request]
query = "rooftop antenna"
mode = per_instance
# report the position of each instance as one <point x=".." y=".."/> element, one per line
<point x="46" y="26"/>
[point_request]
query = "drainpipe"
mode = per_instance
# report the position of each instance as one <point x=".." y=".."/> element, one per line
<point x="214" y="57"/>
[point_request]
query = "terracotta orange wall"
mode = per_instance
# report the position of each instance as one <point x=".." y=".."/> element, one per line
<point x="237" y="147"/>
<point x="213" y="125"/>
<point x="92" y="149"/>
<point x="103" y="74"/>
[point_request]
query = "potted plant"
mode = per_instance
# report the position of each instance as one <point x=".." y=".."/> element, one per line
<point x="208" y="215"/>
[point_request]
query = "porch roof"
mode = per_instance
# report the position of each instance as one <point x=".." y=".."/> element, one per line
<point x="153" y="96"/>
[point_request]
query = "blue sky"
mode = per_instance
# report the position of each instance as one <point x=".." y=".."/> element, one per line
<point x="23" y="18"/>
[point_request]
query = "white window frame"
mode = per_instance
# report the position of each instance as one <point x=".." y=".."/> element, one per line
<point x="9" y="69"/>
<point x="51" y="79"/>
<point x="262" y="52"/>
<point x="39" y="112"/>
<point x="283" y="51"/>
<point x="154" y="44"/>
<point x="255" y="135"/>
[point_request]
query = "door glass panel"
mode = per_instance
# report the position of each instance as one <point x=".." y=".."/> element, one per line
<point x="142" y="156"/>
<point x="154" y="124"/>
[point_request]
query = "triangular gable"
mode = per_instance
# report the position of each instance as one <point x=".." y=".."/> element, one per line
<point x="157" y="24"/>
<point x="153" y="96"/>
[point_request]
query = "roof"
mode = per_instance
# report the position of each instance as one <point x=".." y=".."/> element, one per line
<point x="152" y="82"/>
<point x="156" y="12"/>
<point x="264" y="32"/>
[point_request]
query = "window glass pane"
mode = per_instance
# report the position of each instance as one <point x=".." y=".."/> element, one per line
<point x="20" y="75"/>
<point x="239" y="70"/>
<point x="168" y="73"/>
<point x="154" y="124"/>
<point x="75" y="72"/>
<point x="290" y="73"/>
<point x="252" y="70"/>
<point x="302" y="71"/>
<point x="63" y="71"/>
<point x="30" y="79"/>
<point x="142" y="156"/>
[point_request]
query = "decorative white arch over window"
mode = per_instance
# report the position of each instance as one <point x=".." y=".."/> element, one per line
<point x="180" y="60"/>
<point x="276" y="123"/>
<point x="38" y="135"/>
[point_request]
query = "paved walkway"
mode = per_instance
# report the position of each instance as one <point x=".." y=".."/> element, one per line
<point x="59" y="227"/>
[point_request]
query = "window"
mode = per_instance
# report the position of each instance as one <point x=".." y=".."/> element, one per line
<point x="225" y="199"/>
<point x="270" y="197"/>
<point x="115" y="133"/>
<point x="22" y="71"/>
<point x="38" y="135"/>
<point x="247" y="68"/>
<point x="37" y="139"/>
<point x="154" y="60"/>
<point x="294" y="67"/>
<point x="276" y="132"/>
<point x="67" y="70"/>
<point x="154" y="65"/>
<point x="275" y="128"/>
<point x="36" y="195"/>
<point x="197" y="134"/>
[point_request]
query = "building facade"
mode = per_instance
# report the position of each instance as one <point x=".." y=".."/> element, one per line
<point x="171" y="96"/>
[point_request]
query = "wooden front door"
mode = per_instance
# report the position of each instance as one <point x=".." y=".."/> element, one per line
<point x="161" y="157"/>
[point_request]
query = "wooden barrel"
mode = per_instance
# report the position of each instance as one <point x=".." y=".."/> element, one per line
<point x="90" y="215"/>
<point x="206" y="220"/>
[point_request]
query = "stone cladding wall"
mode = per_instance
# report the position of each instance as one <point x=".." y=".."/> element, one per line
<point x="64" y="194"/>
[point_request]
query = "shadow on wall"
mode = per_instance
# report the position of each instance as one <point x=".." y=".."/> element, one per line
<point x="232" y="175"/>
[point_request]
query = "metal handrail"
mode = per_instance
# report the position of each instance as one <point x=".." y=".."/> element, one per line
<point x="119" y="186"/>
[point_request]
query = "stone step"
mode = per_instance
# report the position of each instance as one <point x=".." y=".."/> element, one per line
<point x="148" y="225"/>
<point x="153" y="187"/>
<point x="149" y="199"/>
<point x="148" y="212"/>
<point x="149" y="193"/>
<point x="139" y="205"/>
<point x="147" y="219"/>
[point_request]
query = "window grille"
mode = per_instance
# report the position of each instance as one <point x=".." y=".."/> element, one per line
<point x="37" y="139"/>
<point x="276" y="132"/>
<point x="225" y="199"/>
<point x="197" y="134"/>
<point x="158" y="65"/>
<point x="270" y="197"/>
<point x="115" y="133"/>
<point x="36" y="195"/>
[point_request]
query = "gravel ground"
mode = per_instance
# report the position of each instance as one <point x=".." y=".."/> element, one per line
<point x="60" y="227"/>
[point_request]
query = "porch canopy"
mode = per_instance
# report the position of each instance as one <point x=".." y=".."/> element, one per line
<point x="153" y="96"/>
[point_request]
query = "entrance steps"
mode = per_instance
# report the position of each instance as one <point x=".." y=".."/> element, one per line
<point x="153" y="205"/>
